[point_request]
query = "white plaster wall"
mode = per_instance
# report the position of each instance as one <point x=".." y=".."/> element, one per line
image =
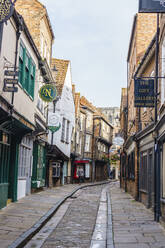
<point x="22" y="101"/>
<point x="21" y="189"/>
<point x="66" y="109"/>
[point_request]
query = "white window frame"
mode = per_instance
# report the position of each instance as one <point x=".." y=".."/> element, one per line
<point x="80" y="144"/>
<point x="87" y="143"/>
<point x="87" y="170"/>
<point x="67" y="131"/>
<point x="163" y="167"/>
<point x="163" y="74"/>
<point x="25" y="157"/>
<point x="57" y="166"/>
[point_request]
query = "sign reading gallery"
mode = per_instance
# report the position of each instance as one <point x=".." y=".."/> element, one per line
<point x="144" y="93"/>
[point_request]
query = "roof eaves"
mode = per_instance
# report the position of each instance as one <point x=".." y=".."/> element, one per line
<point x="132" y="36"/>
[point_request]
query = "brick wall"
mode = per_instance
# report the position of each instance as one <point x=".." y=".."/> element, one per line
<point x="144" y="31"/>
<point x="36" y="19"/>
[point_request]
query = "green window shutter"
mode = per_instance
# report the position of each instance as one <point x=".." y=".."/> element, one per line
<point x="21" y="54"/>
<point x="33" y="74"/>
<point x="23" y="69"/>
<point x="29" y="76"/>
<point x="27" y="72"/>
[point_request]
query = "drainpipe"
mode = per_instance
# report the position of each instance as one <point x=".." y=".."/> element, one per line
<point x="157" y="148"/>
<point x="18" y="33"/>
<point x="138" y="166"/>
<point x="93" y="153"/>
<point x="1" y="35"/>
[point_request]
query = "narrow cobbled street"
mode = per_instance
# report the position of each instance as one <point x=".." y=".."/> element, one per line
<point x="133" y="224"/>
<point x="101" y="216"/>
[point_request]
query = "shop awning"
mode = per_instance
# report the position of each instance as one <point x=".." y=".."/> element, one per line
<point x="15" y="127"/>
<point x="81" y="161"/>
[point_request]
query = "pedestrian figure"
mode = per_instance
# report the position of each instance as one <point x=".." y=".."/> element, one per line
<point x="81" y="175"/>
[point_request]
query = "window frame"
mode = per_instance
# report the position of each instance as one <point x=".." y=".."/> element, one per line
<point x="27" y="71"/>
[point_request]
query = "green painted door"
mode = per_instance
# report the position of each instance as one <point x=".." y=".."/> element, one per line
<point x="4" y="167"/>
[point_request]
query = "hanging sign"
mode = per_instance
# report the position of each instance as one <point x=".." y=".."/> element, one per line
<point x="54" y="122"/>
<point x="48" y="93"/>
<point x="10" y="81"/>
<point x="11" y="73"/>
<point x="144" y="93"/>
<point x="6" y="9"/>
<point x="10" y="89"/>
<point x="151" y="6"/>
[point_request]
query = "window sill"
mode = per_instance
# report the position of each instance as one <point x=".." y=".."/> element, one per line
<point x="31" y="98"/>
<point x="162" y="200"/>
<point x="143" y="191"/>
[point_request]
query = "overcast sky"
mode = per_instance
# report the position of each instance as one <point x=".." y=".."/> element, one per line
<point x="94" y="35"/>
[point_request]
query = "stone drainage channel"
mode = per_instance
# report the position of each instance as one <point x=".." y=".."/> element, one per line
<point x="103" y="232"/>
<point x="82" y="219"/>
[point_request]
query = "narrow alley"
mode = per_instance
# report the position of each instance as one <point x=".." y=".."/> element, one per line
<point x="97" y="216"/>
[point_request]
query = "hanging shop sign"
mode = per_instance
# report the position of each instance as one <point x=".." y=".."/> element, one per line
<point x="151" y="6"/>
<point x="54" y="122"/>
<point x="10" y="81"/>
<point x="10" y="89"/>
<point x="6" y="9"/>
<point x="48" y="93"/>
<point x="11" y="73"/>
<point x="144" y="93"/>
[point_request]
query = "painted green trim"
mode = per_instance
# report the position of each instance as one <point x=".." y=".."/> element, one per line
<point x="13" y="170"/>
<point x="39" y="171"/>
<point x="3" y="194"/>
<point x="26" y="81"/>
<point x="23" y="70"/>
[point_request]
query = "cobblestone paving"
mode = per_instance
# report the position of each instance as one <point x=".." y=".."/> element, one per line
<point x="22" y="215"/>
<point x="76" y="228"/>
<point x="133" y="224"/>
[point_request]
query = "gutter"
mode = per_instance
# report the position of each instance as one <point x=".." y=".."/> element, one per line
<point x="29" y="234"/>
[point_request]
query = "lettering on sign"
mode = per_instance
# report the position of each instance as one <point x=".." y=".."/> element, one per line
<point x="10" y="81"/>
<point x="48" y="93"/>
<point x="11" y="73"/>
<point x="10" y="89"/>
<point x="144" y="93"/>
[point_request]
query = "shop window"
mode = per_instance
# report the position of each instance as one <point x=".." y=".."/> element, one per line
<point x="41" y="163"/>
<point x="25" y="157"/>
<point x="67" y="132"/>
<point x="131" y="166"/>
<point x="87" y="143"/>
<point x="4" y="156"/>
<point x="163" y="161"/>
<point x="63" y="130"/>
<point x="163" y="73"/>
<point x="87" y="170"/>
<point x="26" y="71"/>
<point x="80" y="144"/>
<point x="143" y="172"/>
<point x="55" y="169"/>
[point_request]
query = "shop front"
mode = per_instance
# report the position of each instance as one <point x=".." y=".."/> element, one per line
<point x="101" y="170"/>
<point x="12" y="131"/>
<point x="39" y="166"/>
<point x="85" y="167"/>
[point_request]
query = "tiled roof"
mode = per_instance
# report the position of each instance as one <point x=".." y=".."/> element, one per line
<point x="86" y="103"/>
<point x="60" y="75"/>
<point x="96" y="111"/>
